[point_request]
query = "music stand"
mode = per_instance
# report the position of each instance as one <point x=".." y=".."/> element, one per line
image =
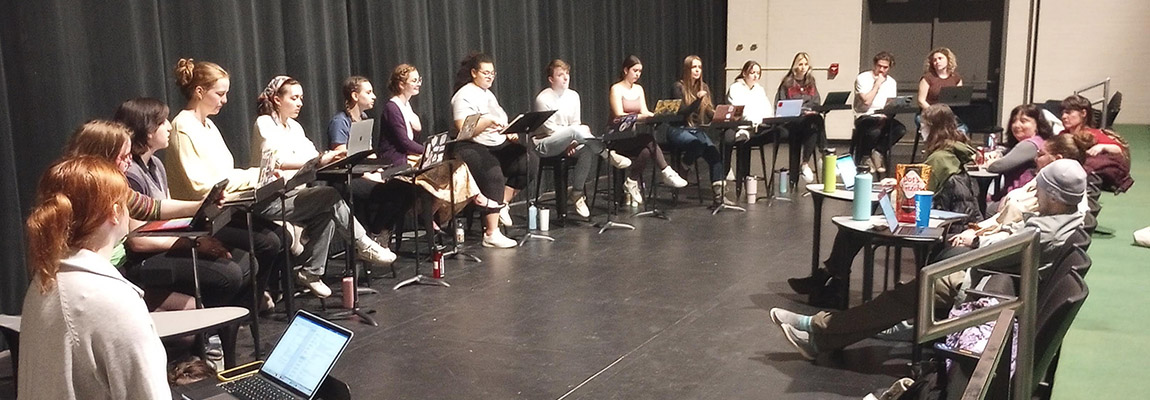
<point x="247" y="202"/>
<point x="721" y="128"/>
<point x="433" y="154"/>
<point x="526" y="125"/>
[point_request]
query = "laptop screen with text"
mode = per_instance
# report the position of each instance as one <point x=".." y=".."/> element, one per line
<point x="305" y="354"/>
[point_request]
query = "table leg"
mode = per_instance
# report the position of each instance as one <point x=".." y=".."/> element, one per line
<point x="868" y="272"/>
<point x="817" y="229"/>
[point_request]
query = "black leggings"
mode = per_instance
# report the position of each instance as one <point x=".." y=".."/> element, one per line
<point x="494" y="167"/>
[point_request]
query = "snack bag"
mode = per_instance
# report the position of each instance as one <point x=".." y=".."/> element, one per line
<point x="912" y="178"/>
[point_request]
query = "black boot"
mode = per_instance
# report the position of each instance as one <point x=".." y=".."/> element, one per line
<point x="832" y="295"/>
<point x="811" y="283"/>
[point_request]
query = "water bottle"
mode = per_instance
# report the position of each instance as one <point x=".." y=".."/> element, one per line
<point x="829" y="159"/>
<point x="860" y="206"/>
<point x="532" y="217"/>
<point x="348" y="285"/>
<point x="459" y="233"/>
<point x="752" y="189"/>
<point x="782" y="183"/>
<point x="544" y="219"/>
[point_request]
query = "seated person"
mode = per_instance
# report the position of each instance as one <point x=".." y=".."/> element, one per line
<point x="810" y="132"/>
<point x="691" y="139"/>
<point x="747" y="92"/>
<point x="1109" y="159"/>
<point x="874" y="130"/>
<point x="948" y="151"/>
<point x="939" y="71"/>
<point x="565" y="133"/>
<point x="501" y="165"/>
<point x="1028" y="133"/>
<point x="628" y="98"/>
<point x="198" y="158"/>
<point x="1061" y="186"/>
<point x="358" y="97"/>
<point x="398" y="128"/>
<point x="85" y="332"/>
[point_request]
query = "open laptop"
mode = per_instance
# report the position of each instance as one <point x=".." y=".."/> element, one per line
<point x="727" y="113"/>
<point x="898" y="102"/>
<point x="668" y="106"/>
<point x="904" y="230"/>
<point x="955" y="95"/>
<point x="296" y="366"/>
<point x="468" y="131"/>
<point x="359" y="139"/>
<point x="788" y="108"/>
<point x="836" y="99"/>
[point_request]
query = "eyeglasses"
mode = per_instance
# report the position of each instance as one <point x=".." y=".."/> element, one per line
<point x="487" y="73"/>
<point x="415" y="81"/>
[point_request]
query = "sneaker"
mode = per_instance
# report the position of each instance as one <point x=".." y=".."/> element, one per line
<point x="505" y="215"/>
<point x="617" y="160"/>
<point x="811" y="283"/>
<point x="581" y="206"/>
<point x="742" y="135"/>
<point x="900" y="332"/>
<point x="730" y="175"/>
<point x="314" y="283"/>
<point x="876" y="158"/>
<point x="631" y="186"/>
<point x="808" y="175"/>
<point x="215" y="350"/>
<point x="268" y="303"/>
<point x="801" y="340"/>
<point x="497" y="240"/>
<point x="780" y="316"/>
<point x="372" y="252"/>
<point x="672" y="178"/>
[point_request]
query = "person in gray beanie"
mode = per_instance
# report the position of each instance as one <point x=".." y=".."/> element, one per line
<point x="1061" y="187"/>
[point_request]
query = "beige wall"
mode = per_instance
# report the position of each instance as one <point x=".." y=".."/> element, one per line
<point x="1110" y="39"/>
<point x="830" y="31"/>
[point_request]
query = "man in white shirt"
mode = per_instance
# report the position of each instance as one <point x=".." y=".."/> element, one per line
<point x="876" y="132"/>
<point x="565" y="133"/>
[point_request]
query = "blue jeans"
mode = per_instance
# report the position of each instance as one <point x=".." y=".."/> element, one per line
<point x="695" y="143"/>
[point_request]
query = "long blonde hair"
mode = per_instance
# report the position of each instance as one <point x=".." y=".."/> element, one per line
<point x="74" y="199"/>
<point x="691" y="87"/>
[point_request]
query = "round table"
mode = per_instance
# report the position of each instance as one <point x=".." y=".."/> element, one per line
<point x="985" y="179"/>
<point x="876" y="230"/>
<point x="817" y="195"/>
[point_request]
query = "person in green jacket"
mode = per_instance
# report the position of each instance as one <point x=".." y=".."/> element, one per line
<point x="947" y="148"/>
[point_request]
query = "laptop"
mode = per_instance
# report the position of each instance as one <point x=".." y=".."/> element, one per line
<point x="727" y="113"/>
<point x="359" y="139"/>
<point x="295" y="368"/>
<point x="898" y="102"/>
<point x="788" y="108"/>
<point x="836" y="99"/>
<point x="207" y="209"/>
<point x="904" y="230"/>
<point x="467" y="131"/>
<point x="955" y="95"/>
<point x="668" y="106"/>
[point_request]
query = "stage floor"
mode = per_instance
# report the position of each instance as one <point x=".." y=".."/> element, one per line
<point x="673" y="310"/>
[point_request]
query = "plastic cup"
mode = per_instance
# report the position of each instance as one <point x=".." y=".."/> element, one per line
<point x="922" y="203"/>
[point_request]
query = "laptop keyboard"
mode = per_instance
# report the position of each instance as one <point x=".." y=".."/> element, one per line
<point x="255" y="388"/>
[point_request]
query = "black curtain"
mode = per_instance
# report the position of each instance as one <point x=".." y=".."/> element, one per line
<point x="63" y="62"/>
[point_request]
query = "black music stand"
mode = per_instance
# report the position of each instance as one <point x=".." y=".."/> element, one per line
<point x="721" y="128"/>
<point x="247" y="202"/>
<point x="526" y="125"/>
<point x="433" y="155"/>
<point x="649" y="210"/>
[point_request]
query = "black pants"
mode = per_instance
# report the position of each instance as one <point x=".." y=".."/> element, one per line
<point x="379" y="206"/>
<point x="494" y="167"/>
<point x="223" y="282"/>
<point x="876" y="133"/>
<point x="806" y="134"/>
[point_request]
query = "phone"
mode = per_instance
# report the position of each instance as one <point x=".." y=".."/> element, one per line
<point x="239" y="372"/>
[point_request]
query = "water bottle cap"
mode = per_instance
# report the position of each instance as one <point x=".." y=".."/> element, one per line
<point x="862" y="169"/>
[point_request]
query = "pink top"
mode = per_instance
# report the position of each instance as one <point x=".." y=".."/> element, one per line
<point x="632" y="106"/>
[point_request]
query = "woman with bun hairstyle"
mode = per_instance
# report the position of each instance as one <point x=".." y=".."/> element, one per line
<point x="85" y="331"/>
<point x="628" y="98"/>
<point x="198" y="158"/>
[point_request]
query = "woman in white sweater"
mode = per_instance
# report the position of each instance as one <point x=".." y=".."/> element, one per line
<point x="86" y="332"/>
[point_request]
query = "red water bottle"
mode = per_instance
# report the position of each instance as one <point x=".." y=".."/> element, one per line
<point x="348" y="292"/>
<point x="437" y="265"/>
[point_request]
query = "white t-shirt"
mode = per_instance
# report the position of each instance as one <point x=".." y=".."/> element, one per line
<point x="756" y="104"/>
<point x="471" y="99"/>
<point x="864" y="83"/>
<point x="290" y="143"/>
<point x="566" y="106"/>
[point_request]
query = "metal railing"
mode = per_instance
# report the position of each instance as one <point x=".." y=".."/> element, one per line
<point x="1105" y="100"/>
<point x="927" y="328"/>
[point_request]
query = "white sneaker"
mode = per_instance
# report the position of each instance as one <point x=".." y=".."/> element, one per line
<point x="313" y="282"/>
<point x="632" y="188"/>
<point x="617" y="160"/>
<point x="498" y="240"/>
<point x="370" y="251"/>
<point x="808" y="175"/>
<point x="742" y="135"/>
<point x="672" y="178"/>
<point x="730" y="174"/>
<point x="505" y="215"/>
<point x="581" y="206"/>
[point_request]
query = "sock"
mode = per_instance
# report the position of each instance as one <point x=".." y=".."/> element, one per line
<point x="804" y="323"/>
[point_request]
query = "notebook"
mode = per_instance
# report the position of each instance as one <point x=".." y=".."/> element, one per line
<point x="296" y="366"/>
<point x="907" y="230"/>
<point x="359" y="140"/>
<point x="727" y="113"/>
<point x="788" y="108"/>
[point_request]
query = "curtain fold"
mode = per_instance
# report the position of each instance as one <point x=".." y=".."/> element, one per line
<point x="63" y="62"/>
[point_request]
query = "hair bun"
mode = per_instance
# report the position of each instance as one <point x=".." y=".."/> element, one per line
<point x="184" y="71"/>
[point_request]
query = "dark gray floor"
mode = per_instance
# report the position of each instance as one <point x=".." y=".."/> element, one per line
<point x="673" y="310"/>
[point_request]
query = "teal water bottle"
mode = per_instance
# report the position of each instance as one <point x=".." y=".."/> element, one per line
<point x="829" y="159"/>
<point x="860" y="206"/>
<point x="532" y="217"/>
